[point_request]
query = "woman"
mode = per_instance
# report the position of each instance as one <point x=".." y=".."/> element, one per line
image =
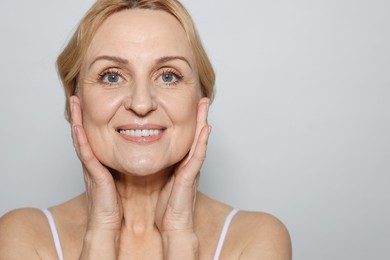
<point x="138" y="86"/>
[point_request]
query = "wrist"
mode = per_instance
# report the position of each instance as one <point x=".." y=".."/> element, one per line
<point x="180" y="245"/>
<point x="100" y="244"/>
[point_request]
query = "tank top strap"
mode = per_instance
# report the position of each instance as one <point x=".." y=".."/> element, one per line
<point x="54" y="233"/>
<point x="225" y="229"/>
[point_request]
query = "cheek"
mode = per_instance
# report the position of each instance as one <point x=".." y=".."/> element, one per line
<point x="189" y="118"/>
<point x="98" y="108"/>
<point x="183" y="109"/>
<point x="98" y="111"/>
<point x="183" y="116"/>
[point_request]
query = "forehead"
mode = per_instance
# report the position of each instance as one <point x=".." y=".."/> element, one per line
<point x="140" y="33"/>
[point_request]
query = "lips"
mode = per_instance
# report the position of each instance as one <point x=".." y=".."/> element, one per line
<point x="141" y="133"/>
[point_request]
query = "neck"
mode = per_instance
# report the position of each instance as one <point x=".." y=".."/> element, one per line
<point x="139" y="196"/>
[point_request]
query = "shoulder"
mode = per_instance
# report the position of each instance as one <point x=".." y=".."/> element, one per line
<point x="263" y="235"/>
<point x="251" y="235"/>
<point x="24" y="223"/>
<point x="21" y="233"/>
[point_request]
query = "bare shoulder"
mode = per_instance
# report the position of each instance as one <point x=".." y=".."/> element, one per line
<point x="22" y="233"/>
<point x="251" y="235"/>
<point x="264" y="236"/>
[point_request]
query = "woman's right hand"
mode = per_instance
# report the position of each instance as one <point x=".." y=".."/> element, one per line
<point x="104" y="207"/>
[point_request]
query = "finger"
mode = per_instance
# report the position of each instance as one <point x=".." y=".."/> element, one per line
<point x="183" y="195"/>
<point x="182" y="203"/>
<point x="75" y="120"/>
<point x="201" y="118"/>
<point x="179" y="207"/>
<point x="201" y="121"/>
<point x="188" y="176"/>
<point x="195" y="188"/>
<point x="164" y="198"/>
<point x="95" y="170"/>
<point x="76" y="115"/>
<point x="191" y="169"/>
<point x="202" y="113"/>
<point x="91" y="164"/>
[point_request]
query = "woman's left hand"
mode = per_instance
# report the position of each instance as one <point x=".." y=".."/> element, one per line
<point x="175" y="207"/>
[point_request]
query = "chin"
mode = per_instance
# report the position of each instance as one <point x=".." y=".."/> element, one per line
<point x="144" y="162"/>
<point x="142" y="168"/>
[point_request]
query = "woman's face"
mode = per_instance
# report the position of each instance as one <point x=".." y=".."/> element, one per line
<point x="139" y="90"/>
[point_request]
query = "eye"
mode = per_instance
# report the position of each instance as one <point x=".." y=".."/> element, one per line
<point x="110" y="77"/>
<point x="170" y="77"/>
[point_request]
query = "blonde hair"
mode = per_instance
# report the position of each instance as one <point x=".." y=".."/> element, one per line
<point x="70" y="60"/>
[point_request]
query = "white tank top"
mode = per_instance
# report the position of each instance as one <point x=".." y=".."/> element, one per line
<point x="218" y="251"/>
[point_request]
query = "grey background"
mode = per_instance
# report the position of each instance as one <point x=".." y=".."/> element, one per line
<point x="301" y="119"/>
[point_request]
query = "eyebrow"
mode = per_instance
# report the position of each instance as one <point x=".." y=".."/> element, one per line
<point x="122" y="61"/>
<point x="110" y="58"/>
<point x="169" y="58"/>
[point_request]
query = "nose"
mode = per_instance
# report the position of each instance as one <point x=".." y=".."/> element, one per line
<point x="141" y="99"/>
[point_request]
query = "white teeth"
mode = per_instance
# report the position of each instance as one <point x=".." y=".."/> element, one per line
<point x="140" y="133"/>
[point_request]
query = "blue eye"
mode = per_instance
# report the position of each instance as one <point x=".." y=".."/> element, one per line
<point x="110" y="77"/>
<point x="168" y="77"/>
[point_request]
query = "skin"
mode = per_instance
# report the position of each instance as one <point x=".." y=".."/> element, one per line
<point x="141" y="199"/>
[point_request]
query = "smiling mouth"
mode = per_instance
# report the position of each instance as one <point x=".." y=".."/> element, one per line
<point x="141" y="132"/>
